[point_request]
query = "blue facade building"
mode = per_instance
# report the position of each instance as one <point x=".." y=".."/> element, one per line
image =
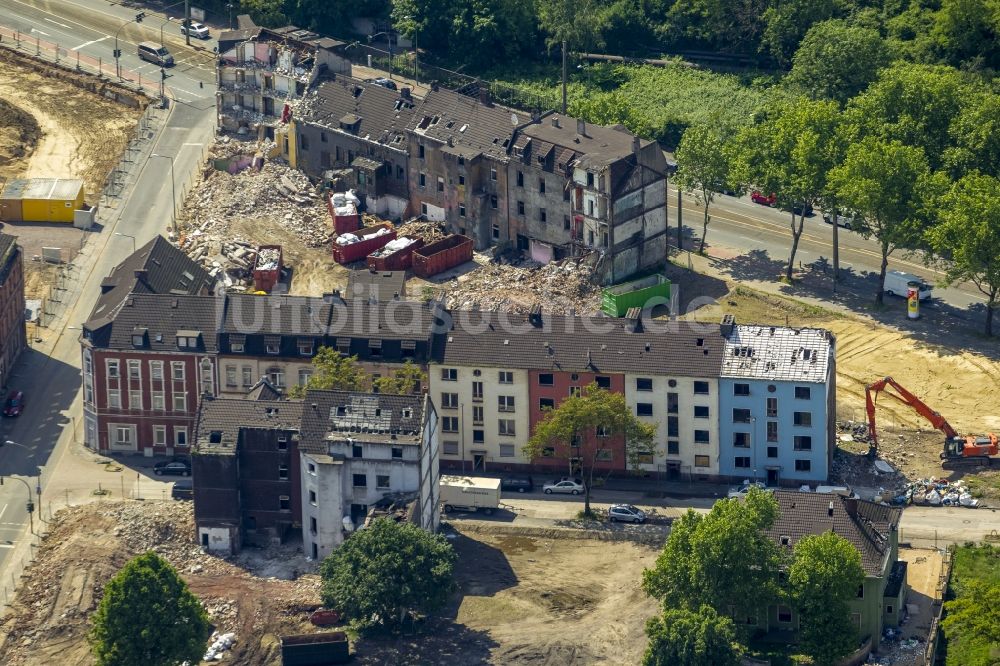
<point x="777" y="404"/>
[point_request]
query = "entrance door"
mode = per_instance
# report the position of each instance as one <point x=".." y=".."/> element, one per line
<point x="204" y="539"/>
<point x="478" y="462"/>
<point x="673" y="470"/>
<point x="772" y="477"/>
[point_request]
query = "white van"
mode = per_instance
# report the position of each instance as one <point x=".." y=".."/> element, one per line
<point x="156" y="54"/>
<point x="896" y="284"/>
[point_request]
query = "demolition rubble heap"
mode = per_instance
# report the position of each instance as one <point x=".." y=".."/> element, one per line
<point x="88" y="544"/>
<point x="559" y="287"/>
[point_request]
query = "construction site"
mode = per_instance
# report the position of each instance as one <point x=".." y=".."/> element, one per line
<point x="82" y="137"/>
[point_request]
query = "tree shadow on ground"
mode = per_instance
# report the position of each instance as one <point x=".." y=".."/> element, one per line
<point x="940" y="323"/>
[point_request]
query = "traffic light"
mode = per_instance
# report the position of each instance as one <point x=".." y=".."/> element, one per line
<point x="118" y="53"/>
<point x="163" y="74"/>
<point x="139" y="17"/>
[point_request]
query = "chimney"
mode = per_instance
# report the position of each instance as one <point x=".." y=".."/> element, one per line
<point x="405" y="94"/>
<point x="140" y="274"/>
<point x="581" y="127"/>
<point x="829" y="510"/>
<point x="484" y="96"/>
<point x="434" y="86"/>
<point x="536" y="316"/>
<point x="636" y="146"/>
<point x="555" y="121"/>
<point x="633" y="320"/>
<point x="727" y="325"/>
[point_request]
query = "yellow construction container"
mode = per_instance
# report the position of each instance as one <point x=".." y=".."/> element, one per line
<point x="41" y="200"/>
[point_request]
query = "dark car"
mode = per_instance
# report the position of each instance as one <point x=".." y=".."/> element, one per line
<point x="182" y="490"/>
<point x="522" y="484"/>
<point x="172" y="467"/>
<point x="14" y="404"/>
<point x="804" y="212"/>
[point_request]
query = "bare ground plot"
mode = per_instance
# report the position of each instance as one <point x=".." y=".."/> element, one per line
<point x="531" y="599"/>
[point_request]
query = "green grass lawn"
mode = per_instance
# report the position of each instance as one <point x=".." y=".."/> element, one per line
<point x="972" y="563"/>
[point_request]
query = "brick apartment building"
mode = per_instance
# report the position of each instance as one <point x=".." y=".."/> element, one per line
<point x="13" y="339"/>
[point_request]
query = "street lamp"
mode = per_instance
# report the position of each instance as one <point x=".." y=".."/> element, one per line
<point x="229" y="6"/>
<point x="173" y="188"/>
<point x="118" y="233"/>
<point x="388" y="39"/>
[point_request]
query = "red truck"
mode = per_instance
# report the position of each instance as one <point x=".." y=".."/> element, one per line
<point x="267" y="267"/>
<point x="441" y="255"/>
<point x="357" y="245"/>
<point x="397" y="255"/>
<point x="343" y="207"/>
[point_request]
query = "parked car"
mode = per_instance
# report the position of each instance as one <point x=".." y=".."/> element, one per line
<point x="742" y="490"/>
<point x="846" y="220"/>
<point x="195" y="29"/>
<point x="182" y="490"/>
<point x="759" y="198"/>
<point x="172" y="468"/>
<point x="14" y="404"/>
<point x="565" y="486"/>
<point x="384" y="82"/>
<point x="798" y="210"/>
<point x="626" y="513"/>
<point x="522" y="484"/>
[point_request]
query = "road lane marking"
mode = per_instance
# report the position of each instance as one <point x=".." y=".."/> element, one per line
<point x="6" y="545"/>
<point x="61" y="25"/>
<point x="93" y="41"/>
<point x="39" y="32"/>
<point x="3" y="510"/>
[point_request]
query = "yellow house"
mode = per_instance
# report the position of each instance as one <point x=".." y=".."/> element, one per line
<point x="41" y="200"/>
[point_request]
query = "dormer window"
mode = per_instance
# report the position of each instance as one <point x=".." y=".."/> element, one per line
<point x="305" y="346"/>
<point x="272" y="344"/>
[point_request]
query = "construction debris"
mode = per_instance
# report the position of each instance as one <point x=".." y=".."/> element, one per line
<point x="429" y="231"/>
<point x="559" y="287"/>
<point x="267" y="258"/>
<point x="938" y="492"/>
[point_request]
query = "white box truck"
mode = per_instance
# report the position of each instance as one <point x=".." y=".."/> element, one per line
<point x="896" y="284"/>
<point x="470" y="493"/>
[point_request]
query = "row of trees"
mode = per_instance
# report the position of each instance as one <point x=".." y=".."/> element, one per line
<point x="720" y="564"/>
<point x="913" y="159"/>
<point x="486" y="33"/>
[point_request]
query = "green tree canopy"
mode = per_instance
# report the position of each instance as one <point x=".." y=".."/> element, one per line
<point x="837" y="61"/>
<point x="974" y="613"/>
<point x="790" y="154"/>
<point x="570" y="432"/>
<point x="912" y="104"/>
<point x="571" y="21"/>
<point x="403" y="380"/>
<point x="693" y="638"/>
<point x="723" y="559"/>
<point x="824" y="577"/>
<point x="786" y="24"/>
<point x="703" y="167"/>
<point x="975" y="135"/>
<point x="386" y="570"/>
<point x="968" y="235"/>
<point x="332" y="371"/>
<point x="886" y="183"/>
<point x="148" y="616"/>
<point x="967" y="33"/>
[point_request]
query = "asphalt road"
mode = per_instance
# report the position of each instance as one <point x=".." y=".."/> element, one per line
<point x="51" y="382"/>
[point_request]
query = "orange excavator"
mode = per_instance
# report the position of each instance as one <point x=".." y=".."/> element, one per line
<point x="978" y="449"/>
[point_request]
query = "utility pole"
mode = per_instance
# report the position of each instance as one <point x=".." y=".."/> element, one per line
<point x="187" y="22"/>
<point x="564" y="77"/>
<point x="680" y="223"/>
<point x="836" y="250"/>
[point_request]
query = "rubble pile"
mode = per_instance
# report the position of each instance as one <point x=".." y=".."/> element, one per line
<point x="939" y="492"/>
<point x="393" y="246"/>
<point x="559" y="287"/>
<point x="429" y="231"/>
<point x="351" y="239"/>
<point x="267" y="259"/>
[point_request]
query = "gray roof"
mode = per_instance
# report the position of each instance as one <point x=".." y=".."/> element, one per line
<point x="263" y="390"/>
<point x="601" y="145"/>
<point x="361" y="416"/>
<point x="777" y="353"/>
<point x="866" y="525"/>
<point x="586" y="344"/>
<point x="487" y="129"/>
<point x="162" y="269"/>
<point x="383" y="285"/>
<point x="383" y="113"/>
<point x="159" y="320"/>
<point x="220" y="421"/>
<point x="302" y="315"/>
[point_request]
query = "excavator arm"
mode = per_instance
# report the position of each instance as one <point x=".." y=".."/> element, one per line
<point x="871" y="397"/>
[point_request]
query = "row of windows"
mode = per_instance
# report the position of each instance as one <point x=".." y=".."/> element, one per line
<point x="801" y="464"/>
<point x="742" y="415"/>
<point x="451" y="448"/>
<point x="275" y="375"/>
<point x="135" y="369"/>
<point x="801" y="392"/>
<point x="799" y="442"/>
<point x="124" y="435"/>
<point x="505" y="427"/>
<point x="157" y="403"/>
<point x="358" y="451"/>
<point x="361" y="481"/>
<point x="646" y="408"/>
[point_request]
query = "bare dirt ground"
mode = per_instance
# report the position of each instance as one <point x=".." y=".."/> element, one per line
<point x="86" y="547"/>
<point x="540" y="597"/>
<point x="535" y="599"/>
<point x="81" y="136"/>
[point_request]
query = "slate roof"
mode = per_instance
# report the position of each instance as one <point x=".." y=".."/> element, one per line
<point x="383" y="114"/>
<point x="487" y="128"/>
<point x="598" y="145"/>
<point x="866" y="525"/>
<point x="586" y="344"/>
<point x="160" y="319"/>
<point x="263" y="390"/>
<point x="362" y="416"/>
<point x="167" y="270"/>
<point x="302" y="315"/>
<point x="221" y="419"/>
<point x="777" y="352"/>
